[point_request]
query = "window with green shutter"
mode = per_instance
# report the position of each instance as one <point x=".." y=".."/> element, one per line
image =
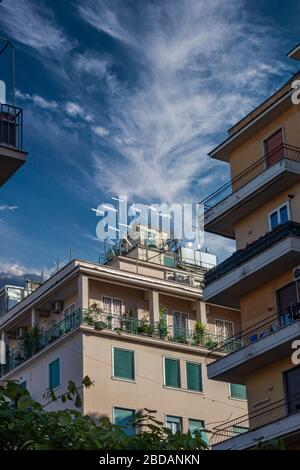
<point x="123" y="364"/>
<point x="54" y="374"/>
<point x="172" y="372"/>
<point x="174" y="423"/>
<point x="194" y="376"/>
<point x="238" y="391"/>
<point x="123" y="417"/>
<point x="197" y="425"/>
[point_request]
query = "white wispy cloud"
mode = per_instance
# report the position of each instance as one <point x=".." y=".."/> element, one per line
<point x="201" y="65"/>
<point x="100" y="131"/>
<point x="8" y="208"/>
<point x="33" y="24"/>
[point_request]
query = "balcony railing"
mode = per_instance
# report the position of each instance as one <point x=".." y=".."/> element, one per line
<point x="11" y="126"/>
<point x="260" y="166"/>
<point x="258" y="331"/>
<point x="241" y="256"/>
<point x="99" y="320"/>
<point x="256" y="419"/>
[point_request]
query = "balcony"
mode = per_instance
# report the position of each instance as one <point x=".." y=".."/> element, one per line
<point x="12" y="155"/>
<point x="102" y="321"/>
<point x="257" y="346"/>
<point x="263" y="260"/>
<point x="280" y="419"/>
<point x="261" y="182"/>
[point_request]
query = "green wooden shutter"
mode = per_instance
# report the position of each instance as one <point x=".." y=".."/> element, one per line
<point x="198" y="425"/>
<point x="172" y="372"/>
<point x="123" y="418"/>
<point x="238" y="391"/>
<point x="124" y="364"/>
<point x="54" y="374"/>
<point x="194" y="376"/>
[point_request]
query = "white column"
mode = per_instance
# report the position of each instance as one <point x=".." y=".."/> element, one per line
<point x="200" y="308"/>
<point x="33" y="318"/>
<point x="2" y="349"/>
<point x="153" y="297"/>
<point x="83" y="291"/>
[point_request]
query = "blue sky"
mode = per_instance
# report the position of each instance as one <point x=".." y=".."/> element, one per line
<point x="128" y="97"/>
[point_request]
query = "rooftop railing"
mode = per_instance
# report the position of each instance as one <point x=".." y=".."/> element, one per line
<point x="259" y="330"/>
<point x="100" y="320"/>
<point x="11" y="126"/>
<point x="260" y="166"/>
<point x="256" y="419"/>
<point x="241" y="256"/>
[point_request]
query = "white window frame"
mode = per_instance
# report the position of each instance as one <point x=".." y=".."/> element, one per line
<point x="277" y="209"/>
<point x="173" y="416"/>
<point x="234" y="398"/>
<point x="122" y="408"/>
<point x="186" y="381"/>
<point x="111" y="304"/>
<point x="113" y="365"/>
<point x="182" y="313"/>
<point x="48" y="372"/>
<point x="224" y="321"/>
<point x="164" y="373"/>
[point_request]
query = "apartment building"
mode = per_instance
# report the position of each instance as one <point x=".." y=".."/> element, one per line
<point x="260" y="209"/>
<point x="137" y="326"/>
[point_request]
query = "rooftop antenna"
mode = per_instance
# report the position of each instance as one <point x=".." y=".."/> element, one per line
<point x="6" y="44"/>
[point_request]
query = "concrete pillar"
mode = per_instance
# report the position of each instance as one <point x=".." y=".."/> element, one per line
<point x="2" y="349"/>
<point x="153" y="297"/>
<point x="200" y="308"/>
<point x="83" y="291"/>
<point x="34" y="318"/>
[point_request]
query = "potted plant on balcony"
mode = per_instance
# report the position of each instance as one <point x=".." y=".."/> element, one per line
<point x="144" y="327"/>
<point x="200" y="331"/>
<point x="162" y="326"/>
<point x="31" y="341"/>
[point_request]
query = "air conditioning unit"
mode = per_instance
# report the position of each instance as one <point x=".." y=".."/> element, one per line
<point x="20" y="332"/>
<point x="57" y="306"/>
<point x="297" y="273"/>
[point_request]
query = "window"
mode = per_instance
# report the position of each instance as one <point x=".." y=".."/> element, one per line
<point x="194" y="376"/>
<point x="54" y="374"/>
<point x="198" y="425"/>
<point x="23" y="384"/>
<point x="123" y="364"/>
<point x="180" y="325"/>
<point x="169" y="261"/>
<point x="123" y="417"/>
<point x="172" y="372"/>
<point x="174" y="423"/>
<point x="279" y="216"/>
<point x="112" y="306"/>
<point x="292" y="386"/>
<point x="238" y="391"/>
<point x="224" y="328"/>
<point x="286" y="297"/>
<point x="274" y="149"/>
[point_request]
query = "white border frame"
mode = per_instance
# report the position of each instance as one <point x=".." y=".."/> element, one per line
<point x="223" y="320"/>
<point x="277" y="209"/>
<point x="164" y="373"/>
<point x="122" y="408"/>
<point x="113" y="364"/>
<point x="243" y="400"/>
<point x="48" y="371"/>
<point x="201" y="371"/>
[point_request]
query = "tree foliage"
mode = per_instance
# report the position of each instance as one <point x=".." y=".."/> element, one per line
<point x="26" y="424"/>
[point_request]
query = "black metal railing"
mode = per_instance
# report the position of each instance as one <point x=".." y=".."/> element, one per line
<point x="101" y="320"/>
<point x="260" y="166"/>
<point x="256" y="419"/>
<point x="11" y="126"/>
<point x="258" y="331"/>
<point x="241" y="256"/>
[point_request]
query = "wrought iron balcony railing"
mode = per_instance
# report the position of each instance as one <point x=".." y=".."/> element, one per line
<point x="241" y="256"/>
<point x="260" y="166"/>
<point x="256" y="419"/>
<point x="100" y="320"/>
<point x="258" y="331"/>
<point x="11" y="126"/>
